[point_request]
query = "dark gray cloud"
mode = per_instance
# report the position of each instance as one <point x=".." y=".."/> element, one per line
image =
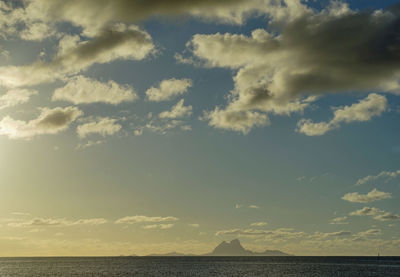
<point x="336" y="50"/>
<point x="115" y="42"/>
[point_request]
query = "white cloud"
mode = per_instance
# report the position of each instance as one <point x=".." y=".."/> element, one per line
<point x="364" y="110"/>
<point x="239" y="121"/>
<point x="320" y="235"/>
<point x="144" y="219"/>
<point x="382" y="175"/>
<point x="254" y="207"/>
<point x="375" y="213"/>
<point x="49" y="121"/>
<point x="258" y="224"/>
<point x="15" y="97"/>
<point x="83" y="90"/>
<point x="177" y="111"/>
<point x="168" y="89"/>
<point x="43" y="222"/>
<point x="194" y="225"/>
<point x="159" y="226"/>
<point x="164" y="126"/>
<point x="103" y="126"/>
<point x="282" y="233"/>
<point x="373" y="195"/>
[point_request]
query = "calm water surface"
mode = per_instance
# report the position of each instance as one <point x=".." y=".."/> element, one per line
<point x="200" y="266"/>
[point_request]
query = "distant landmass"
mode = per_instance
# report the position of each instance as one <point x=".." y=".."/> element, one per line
<point x="171" y="254"/>
<point x="233" y="248"/>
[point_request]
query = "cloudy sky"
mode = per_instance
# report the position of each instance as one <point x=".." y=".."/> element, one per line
<point x="138" y="127"/>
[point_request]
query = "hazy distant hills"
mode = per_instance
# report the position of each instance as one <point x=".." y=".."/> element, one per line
<point x="233" y="248"/>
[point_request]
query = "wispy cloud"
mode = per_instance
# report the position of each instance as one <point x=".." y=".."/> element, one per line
<point x="15" y="97"/>
<point x="364" y="110"/>
<point x="384" y="175"/>
<point x="376" y="213"/>
<point x="159" y="226"/>
<point x="339" y="220"/>
<point x="258" y="224"/>
<point x="373" y="195"/>
<point x="45" y="222"/>
<point x="177" y="111"/>
<point x="144" y="219"/>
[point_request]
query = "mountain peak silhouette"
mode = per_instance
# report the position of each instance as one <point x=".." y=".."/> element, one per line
<point x="234" y="248"/>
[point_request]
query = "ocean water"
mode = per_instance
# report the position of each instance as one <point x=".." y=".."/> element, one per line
<point x="200" y="266"/>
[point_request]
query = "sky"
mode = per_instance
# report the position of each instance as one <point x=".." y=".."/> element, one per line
<point x="139" y="127"/>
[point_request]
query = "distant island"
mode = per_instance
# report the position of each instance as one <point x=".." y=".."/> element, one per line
<point x="233" y="248"/>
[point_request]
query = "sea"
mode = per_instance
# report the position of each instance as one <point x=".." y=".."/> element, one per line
<point x="200" y="266"/>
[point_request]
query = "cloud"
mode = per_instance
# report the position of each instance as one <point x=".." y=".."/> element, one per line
<point x="282" y="233"/>
<point x="335" y="50"/>
<point x="338" y="234"/>
<point x="21" y="213"/>
<point x="159" y="226"/>
<point x="382" y="175"/>
<point x="92" y="15"/>
<point x="375" y="213"/>
<point x="103" y="126"/>
<point x="44" y="222"/>
<point x="83" y="90"/>
<point x="370" y="233"/>
<point x="138" y="132"/>
<point x="168" y="89"/>
<point x="90" y="143"/>
<point x="16" y="21"/>
<point x="165" y="125"/>
<point x="239" y="121"/>
<point x="15" y="97"/>
<point x="49" y="121"/>
<point x="339" y="220"/>
<point x="258" y="224"/>
<point x="194" y="225"/>
<point x="144" y="219"/>
<point x="118" y="42"/>
<point x="364" y="110"/>
<point x="373" y="195"/>
<point x="177" y="111"/>
<point x="238" y="206"/>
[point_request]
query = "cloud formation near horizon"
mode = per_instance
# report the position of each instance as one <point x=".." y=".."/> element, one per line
<point x="142" y="218"/>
